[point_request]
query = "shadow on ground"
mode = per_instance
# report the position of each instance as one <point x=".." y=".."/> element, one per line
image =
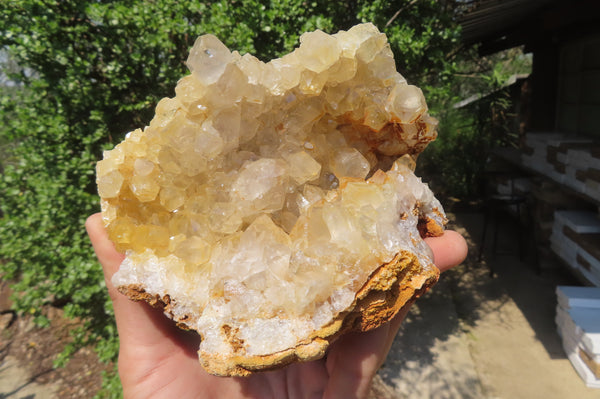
<point x="438" y="354"/>
<point x="529" y="281"/>
<point x="427" y="359"/>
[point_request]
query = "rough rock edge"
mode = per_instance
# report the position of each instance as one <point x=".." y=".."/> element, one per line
<point x="390" y="288"/>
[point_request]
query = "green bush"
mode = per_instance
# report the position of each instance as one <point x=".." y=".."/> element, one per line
<point x="456" y="162"/>
<point x="90" y="71"/>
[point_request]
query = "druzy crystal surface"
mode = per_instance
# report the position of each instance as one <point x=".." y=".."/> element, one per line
<point x="261" y="198"/>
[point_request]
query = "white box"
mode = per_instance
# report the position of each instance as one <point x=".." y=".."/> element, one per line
<point x="583" y="297"/>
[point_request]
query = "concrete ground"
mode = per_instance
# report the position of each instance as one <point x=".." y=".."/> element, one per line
<point x="16" y="382"/>
<point x="476" y="336"/>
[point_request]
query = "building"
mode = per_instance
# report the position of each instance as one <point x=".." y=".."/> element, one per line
<point x="560" y="153"/>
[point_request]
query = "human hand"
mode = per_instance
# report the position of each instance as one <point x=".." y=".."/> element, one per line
<point x="159" y="360"/>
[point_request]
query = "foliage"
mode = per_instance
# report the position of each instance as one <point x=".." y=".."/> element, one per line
<point x="455" y="163"/>
<point x="87" y="72"/>
<point x="424" y="39"/>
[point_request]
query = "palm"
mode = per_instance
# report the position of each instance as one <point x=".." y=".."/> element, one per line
<point x="167" y="366"/>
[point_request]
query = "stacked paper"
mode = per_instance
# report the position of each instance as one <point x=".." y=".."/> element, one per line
<point x="569" y="160"/>
<point x="578" y="324"/>
<point x="536" y="152"/>
<point x="576" y="239"/>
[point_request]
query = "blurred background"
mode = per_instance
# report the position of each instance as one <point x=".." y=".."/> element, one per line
<point x="514" y="83"/>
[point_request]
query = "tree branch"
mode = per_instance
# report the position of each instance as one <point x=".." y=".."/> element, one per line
<point x="398" y="13"/>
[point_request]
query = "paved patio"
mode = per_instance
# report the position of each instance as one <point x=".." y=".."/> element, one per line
<point x="474" y="336"/>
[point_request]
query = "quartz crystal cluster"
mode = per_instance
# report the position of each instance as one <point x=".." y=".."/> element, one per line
<point x="264" y="197"/>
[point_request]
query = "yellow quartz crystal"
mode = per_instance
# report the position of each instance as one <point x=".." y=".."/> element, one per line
<point x="262" y="199"/>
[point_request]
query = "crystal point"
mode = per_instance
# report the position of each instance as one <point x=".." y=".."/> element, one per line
<point x="208" y="59"/>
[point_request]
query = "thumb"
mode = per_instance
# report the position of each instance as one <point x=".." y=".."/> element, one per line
<point x="138" y="323"/>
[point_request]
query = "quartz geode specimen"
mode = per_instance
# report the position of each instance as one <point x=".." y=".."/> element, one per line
<point x="272" y="206"/>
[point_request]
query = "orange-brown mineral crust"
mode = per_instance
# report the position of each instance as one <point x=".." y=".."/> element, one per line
<point x="273" y="206"/>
